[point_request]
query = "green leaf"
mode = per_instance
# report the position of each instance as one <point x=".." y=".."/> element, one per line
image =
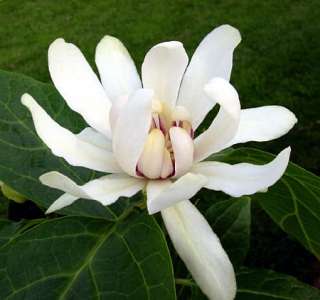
<point x="4" y="204"/>
<point x="7" y="230"/>
<point x="87" y="258"/>
<point x="231" y="221"/>
<point x="269" y="285"/>
<point x="293" y="203"/>
<point x="259" y="284"/>
<point x="24" y="157"/>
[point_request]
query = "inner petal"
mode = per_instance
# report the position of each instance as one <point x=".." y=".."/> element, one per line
<point x="150" y="163"/>
<point x="168" y="150"/>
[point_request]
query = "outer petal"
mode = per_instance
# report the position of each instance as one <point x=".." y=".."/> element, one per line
<point x="79" y="85"/>
<point x="96" y="138"/>
<point x="182" y="145"/>
<point x="117" y="70"/>
<point x="201" y="250"/>
<point x="106" y="189"/>
<point x="116" y="108"/>
<point x="162" y="70"/>
<point x="243" y="178"/>
<point x="63" y="201"/>
<point x="226" y="123"/>
<point x="63" y="143"/>
<point x="212" y="58"/>
<point x="131" y="130"/>
<point x="163" y="193"/>
<point x="263" y="123"/>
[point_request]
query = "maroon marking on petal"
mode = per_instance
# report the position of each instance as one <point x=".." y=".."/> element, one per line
<point x="154" y="125"/>
<point x="162" y="126"/>
<point x="192" y="133"/>
<point x="174" y="168"/>
<point x="138" y="172"/>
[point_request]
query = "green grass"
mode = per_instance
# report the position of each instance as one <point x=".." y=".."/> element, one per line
<point x="276" y="63"/>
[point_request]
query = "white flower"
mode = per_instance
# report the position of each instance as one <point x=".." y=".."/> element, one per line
<point x="143" y="133"/>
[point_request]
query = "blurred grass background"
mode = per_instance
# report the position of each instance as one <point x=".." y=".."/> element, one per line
<point x="276" y="63"/>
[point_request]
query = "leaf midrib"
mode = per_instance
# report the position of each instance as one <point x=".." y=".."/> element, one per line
<point x="88" y="259"/>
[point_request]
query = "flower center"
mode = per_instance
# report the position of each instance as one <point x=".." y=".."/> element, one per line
<point x="164" y="142"/>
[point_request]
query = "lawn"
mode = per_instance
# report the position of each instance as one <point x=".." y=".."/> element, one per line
<point x="276" y="63"/>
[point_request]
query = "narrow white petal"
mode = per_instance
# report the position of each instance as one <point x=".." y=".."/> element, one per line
<point x="212" y="58"/>
<point x="63" y="201"/>
<point x="106" y="189"/>
<point x="225" y="125"/>
<point x="115" y="110"/>
<point x="163" y="193"/>
<point x="162" y="70"/>
<point x="263" y="124"/>
<point x="117" y="70"/>
<point x="132" y="129"/>
<point x="243" y="178"/>
<point x="96" y="138"/>
<point x="182" y="145"/>
<point x="64" y="143"/>
<point x="63" y="183"/>
<point x="201" y="250"/>
<point x="79" y="85"/>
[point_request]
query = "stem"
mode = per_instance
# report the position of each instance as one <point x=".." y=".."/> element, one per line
<point x="143" y="203"/>
<point x="184" y="282"/>
<point x="125" y="214"/>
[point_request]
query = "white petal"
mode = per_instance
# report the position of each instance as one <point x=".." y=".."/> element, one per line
<point x="79" y="85"/>
<point x="263" y="123"/>
<point x="201" y="250"/>
<point x="243" y="178"/>
<point x="151" y="159"/>
<point x="182" y="145"/>
<point x="64" y="143"/>
<point x="132" y="129"/>
<point x="167" y="167"/>
<point x="63" y="201"/>
<point x="117" y="70"/>
<point x="96" y="138"/>
<point x="106" y="189"/>
<point x="115" y="110"/>
<point x="212" y="58"/>
<point x="163" y="193"/>
<point x="162" y="70"/>
<point x="226" y="123"/>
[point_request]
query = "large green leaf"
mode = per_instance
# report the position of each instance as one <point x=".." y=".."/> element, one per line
<point x="231" y="221"/>
<point x="24" y="157"/>
<point x="7" y="230"/>
<point x="4" y="204"/>
<point x="293" y="203"/>
<point x="87" y="258"/>
<point x="260" y="284"/>
<point x="269" y="285"/>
